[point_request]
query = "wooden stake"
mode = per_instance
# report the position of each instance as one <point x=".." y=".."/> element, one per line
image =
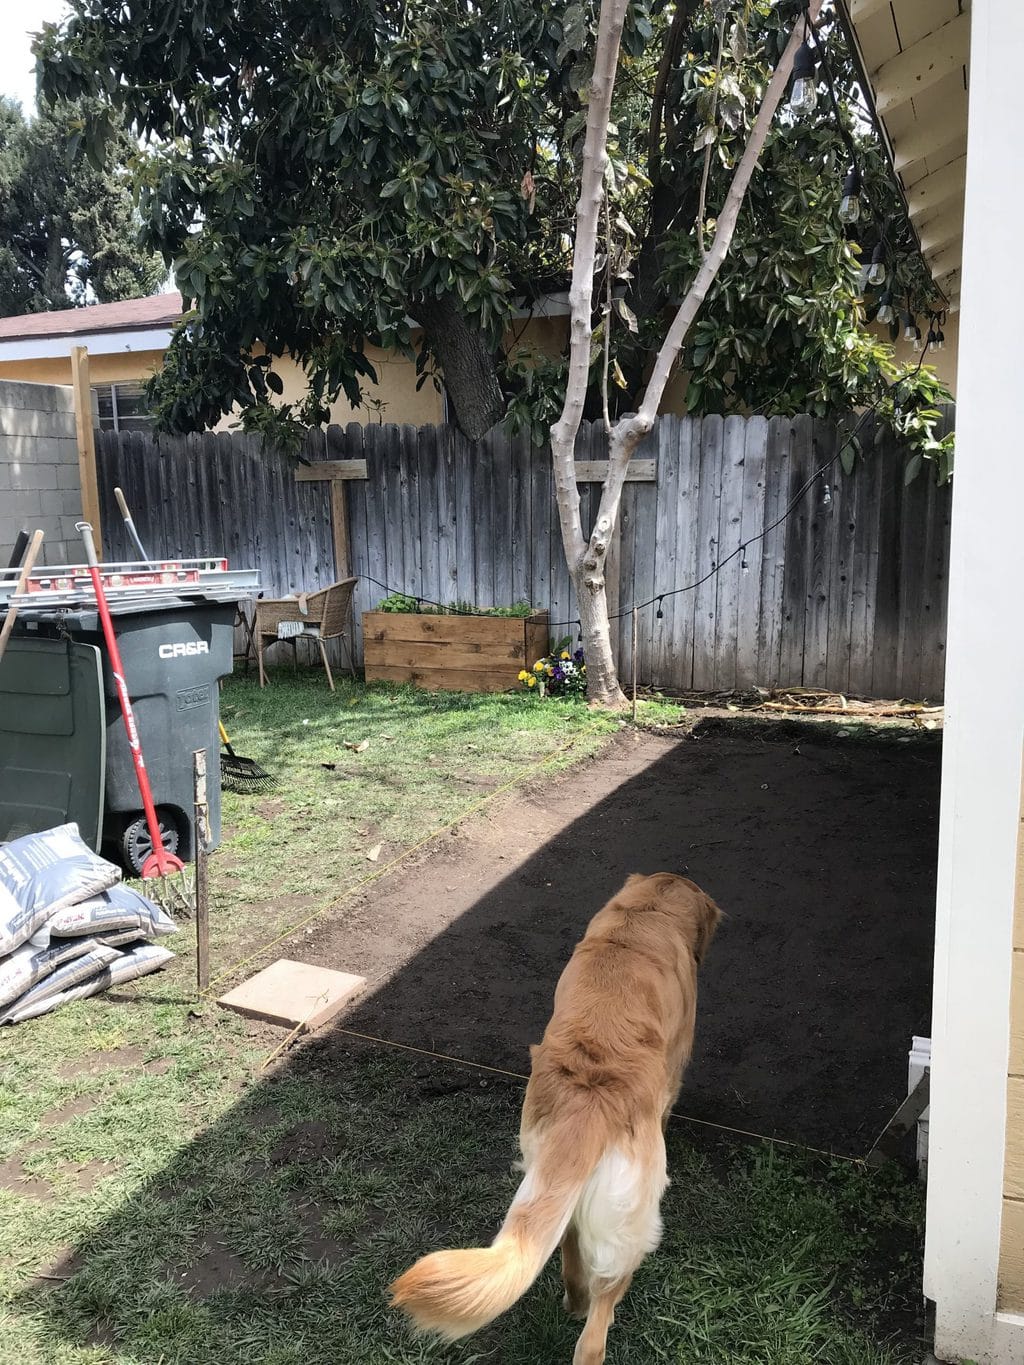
<point x="202" y="842"/>
<point x="634" y="665"/>
<point x="19" y="591"/>
<point x="86" y="444"/>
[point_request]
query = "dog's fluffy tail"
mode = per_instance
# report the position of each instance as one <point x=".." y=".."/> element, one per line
<point x="455" y="1293"/>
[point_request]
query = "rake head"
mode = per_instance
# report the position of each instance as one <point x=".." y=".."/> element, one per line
<point x="244" y="776"/>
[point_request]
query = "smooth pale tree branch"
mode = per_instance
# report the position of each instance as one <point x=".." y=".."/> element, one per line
<point x="581" y="300"/>
<point x="631" y="430"/>
<point x="726" y="226"/>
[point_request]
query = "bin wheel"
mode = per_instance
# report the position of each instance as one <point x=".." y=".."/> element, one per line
<point x="136" y="844"/>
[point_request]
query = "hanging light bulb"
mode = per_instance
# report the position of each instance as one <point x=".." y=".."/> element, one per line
<point x="933" y="336"/>
<point x="885" y="312"/>
<point x="579" y="634"/>
<point x="909" y="326"/>
<point x="743" y="559"/>
<point x="803" y="97"/>
<point x="918" y="344"/>
<point x="826" y="497"/>
<point x="659" y="613"/>
<point x="876" y="270"/>
<point x="940" y="340"/>
<point x="849" y="208"/>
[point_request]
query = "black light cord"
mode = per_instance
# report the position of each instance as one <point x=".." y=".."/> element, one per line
<point x="660" y="596"/>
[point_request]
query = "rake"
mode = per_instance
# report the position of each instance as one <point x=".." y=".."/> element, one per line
<point x="242" y="775"/>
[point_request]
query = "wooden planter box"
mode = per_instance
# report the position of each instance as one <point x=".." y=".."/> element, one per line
<point x="454" y="653"/>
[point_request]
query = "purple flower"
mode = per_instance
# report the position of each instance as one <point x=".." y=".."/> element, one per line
<point x="558" y="674"/>
<point x="578" y="656"/>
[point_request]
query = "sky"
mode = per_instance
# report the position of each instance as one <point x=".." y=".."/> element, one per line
<point x="17" y="69"/>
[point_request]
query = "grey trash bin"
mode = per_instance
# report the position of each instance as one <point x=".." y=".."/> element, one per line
<point x="174" y="655"/>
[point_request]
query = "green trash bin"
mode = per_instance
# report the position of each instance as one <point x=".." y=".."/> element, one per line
<point x="174" y="652"/>
<point x="53" y="738"/>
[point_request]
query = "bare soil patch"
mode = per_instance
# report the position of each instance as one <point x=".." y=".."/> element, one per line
<point x="820" y="848"/>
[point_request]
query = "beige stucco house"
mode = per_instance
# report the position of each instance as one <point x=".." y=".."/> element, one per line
<point x="126" y="343"/>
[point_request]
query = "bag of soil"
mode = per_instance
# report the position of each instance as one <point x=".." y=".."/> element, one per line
<point x="43" y="873"/>
<point x="118" y="909"/>
<point x="73" y="973"/>
<point x="27" y="965"/>
<point x="148" y="957"/>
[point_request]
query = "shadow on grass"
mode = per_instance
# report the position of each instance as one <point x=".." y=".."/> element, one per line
<point x="269" y="1239"/>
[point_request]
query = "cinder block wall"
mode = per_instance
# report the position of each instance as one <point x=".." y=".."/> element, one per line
<point x="39" y="480"/>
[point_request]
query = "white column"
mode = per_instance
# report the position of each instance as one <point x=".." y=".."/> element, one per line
<point x="981" y="775"/>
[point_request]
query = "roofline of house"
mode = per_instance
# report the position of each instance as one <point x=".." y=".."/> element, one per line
<point x="124" y="341"/>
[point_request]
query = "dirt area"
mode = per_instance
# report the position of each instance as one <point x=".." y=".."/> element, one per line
<point x="819" y="846"/>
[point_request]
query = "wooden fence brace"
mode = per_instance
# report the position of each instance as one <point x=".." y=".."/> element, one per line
<point x="202" y="854"/>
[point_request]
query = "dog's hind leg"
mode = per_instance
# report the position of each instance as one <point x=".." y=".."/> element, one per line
<point x="574" y="1276"/>
<point x="592" y="1345"/>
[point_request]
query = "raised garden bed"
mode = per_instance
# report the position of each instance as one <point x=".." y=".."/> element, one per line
<point x="457" y="653"/>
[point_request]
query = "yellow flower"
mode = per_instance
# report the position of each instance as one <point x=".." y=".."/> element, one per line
<point x="523" y="675"/>
<point x="531" y="682"/>
<point x="539" y="666"/>
<point x="565" y="654"/>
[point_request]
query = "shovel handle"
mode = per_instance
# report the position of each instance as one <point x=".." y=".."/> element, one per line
<point x="129" y="524"/>
<point x="12" y="610"/>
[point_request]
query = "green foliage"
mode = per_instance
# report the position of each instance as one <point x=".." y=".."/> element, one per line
<point x="327" y="175"/>
<point x="400" y="602"/>
<point x="68" y="229"/>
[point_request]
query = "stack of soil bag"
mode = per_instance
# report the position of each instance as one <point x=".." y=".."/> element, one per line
<point x="67" y="930"/>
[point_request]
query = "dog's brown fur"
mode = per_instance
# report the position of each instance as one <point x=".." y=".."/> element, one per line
<point x="603" y="1082"/>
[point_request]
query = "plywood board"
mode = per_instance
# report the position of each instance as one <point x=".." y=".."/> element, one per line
<point x="294" y="993"/>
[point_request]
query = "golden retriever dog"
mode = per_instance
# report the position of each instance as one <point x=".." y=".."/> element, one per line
<point x="602" y="1085"/>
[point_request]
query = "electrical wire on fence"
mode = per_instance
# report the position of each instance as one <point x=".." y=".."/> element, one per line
<point x="660" y="597"/>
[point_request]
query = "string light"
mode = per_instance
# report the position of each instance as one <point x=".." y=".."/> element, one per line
<point x="876" y="270"/>
<point x="659" y="613"/>
<point x="803" y="98"/>
<point x="743" y="561"/>
<point x="909" y="326"/>
<point x="826" y="497"/>
<point x="579" y="632"/>
<point x="885" y="309"/>
<point x="849" y="208"/>
<point x="917" y="339"/>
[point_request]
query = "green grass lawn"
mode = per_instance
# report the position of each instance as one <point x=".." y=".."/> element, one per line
<point x="164" y="1201"/>
<point x="430" y="759"/>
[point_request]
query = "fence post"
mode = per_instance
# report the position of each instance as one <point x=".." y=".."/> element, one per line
<point x="86" y="443"/>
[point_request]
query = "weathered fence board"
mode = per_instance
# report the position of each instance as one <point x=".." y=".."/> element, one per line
<point x="784" y="586"/>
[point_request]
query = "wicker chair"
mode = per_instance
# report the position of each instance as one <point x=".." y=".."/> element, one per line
<point x="326" y="617"/>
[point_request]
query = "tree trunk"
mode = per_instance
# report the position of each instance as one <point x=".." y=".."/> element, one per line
<point x="586" y="560"/>
<point x="466" y="363"/>
<point x="602" y="679"/>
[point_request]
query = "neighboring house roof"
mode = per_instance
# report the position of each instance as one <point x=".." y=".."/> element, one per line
<point x="157" y="310"/>
<point x="103" y="328"/>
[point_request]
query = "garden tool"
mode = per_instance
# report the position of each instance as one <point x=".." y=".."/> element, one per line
<point x="160" y="863"/>
<point x="242" y="775"/>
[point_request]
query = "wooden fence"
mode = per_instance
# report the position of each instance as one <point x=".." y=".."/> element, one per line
<point x="841" y="586"/>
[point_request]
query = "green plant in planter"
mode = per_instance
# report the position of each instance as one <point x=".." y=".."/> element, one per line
<point x="401" y="602"/>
